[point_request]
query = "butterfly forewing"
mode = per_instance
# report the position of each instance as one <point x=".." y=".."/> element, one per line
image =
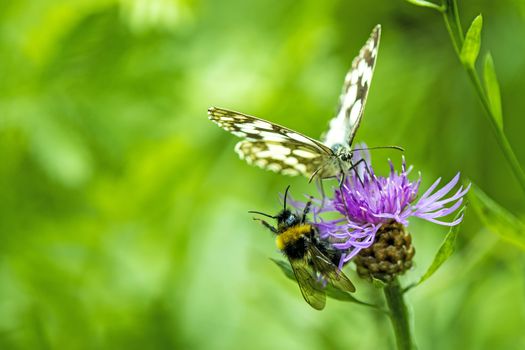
<point x="344" y="125"/>
<point x="274" y="147"/>
<point x="271" y="146"/>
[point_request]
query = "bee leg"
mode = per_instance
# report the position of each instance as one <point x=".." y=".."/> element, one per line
<point x="267" y="225"/>
<point x="306" y="210"/>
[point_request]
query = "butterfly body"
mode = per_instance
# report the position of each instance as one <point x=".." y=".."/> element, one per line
<point x="339" y="161"/>
<point x="283" y="150"/>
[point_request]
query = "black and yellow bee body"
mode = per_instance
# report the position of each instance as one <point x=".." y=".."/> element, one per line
<point x="313" y="260"/>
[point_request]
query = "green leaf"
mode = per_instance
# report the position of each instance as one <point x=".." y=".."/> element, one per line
<point x="338" y="294"/>
<point x="492" y="89"/>
<point x="378" y="283"/>
<point x="331" y="291"/>
<point x="444" y="252"/>
<point x="426" y="4"/>
<point x="497" y="219"/>
<point x="285" y="268"/>
<point x="472" y="43"/>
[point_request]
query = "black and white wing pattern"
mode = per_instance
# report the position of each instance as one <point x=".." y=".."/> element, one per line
<point x="271" y="146"/>
<point x="274" y="147"/>
<point x="344" y="125"/>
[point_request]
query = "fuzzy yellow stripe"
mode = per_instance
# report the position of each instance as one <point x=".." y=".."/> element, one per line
<point x="291" y="235"/>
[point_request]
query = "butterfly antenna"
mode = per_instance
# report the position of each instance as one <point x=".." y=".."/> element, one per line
<point x="286" y="195"/>
<point x="380" y="147"/>
<point x="264" y="214"/>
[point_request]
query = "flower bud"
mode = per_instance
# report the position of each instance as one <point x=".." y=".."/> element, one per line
<point x="389" y="256"/>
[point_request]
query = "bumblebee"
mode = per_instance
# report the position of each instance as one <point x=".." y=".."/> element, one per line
<point x="314" y="261"/>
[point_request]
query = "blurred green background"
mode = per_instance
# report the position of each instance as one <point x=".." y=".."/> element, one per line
<point x="123" y="209"/>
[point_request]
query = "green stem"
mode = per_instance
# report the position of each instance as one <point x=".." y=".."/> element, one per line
<point x="501" y="138"/>
<point x="453" y="24"/>
<point x="455" y="31"/>
<point x="399" y="315"/>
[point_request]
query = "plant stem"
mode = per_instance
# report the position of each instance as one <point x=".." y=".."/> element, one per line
<point x="453" y="24"/>
<point x="501" y="138"/>
<point x="399" y="315"/>
<point x="455" y="31"/>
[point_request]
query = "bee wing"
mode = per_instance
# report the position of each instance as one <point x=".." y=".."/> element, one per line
<point x="329" y="270"/>
<point x="344" y="125"/>
<point x="272" y="146"/>
<point x="312" y="290"/>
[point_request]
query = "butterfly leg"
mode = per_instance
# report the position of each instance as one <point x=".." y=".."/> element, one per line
<point x="353" y="166"/>
<point x="367" y="169"/>
<point x="320" y="188"/>
<point x="342" y="179"/>
<point x="267" y="225"/>
<point x="341" y="184"/>
<point x="315" y="173"/>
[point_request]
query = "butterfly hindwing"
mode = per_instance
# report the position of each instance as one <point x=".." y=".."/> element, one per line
<point x="287" y="158"/>
<point x="271" y="146"/>
<point x="344" y="125"/>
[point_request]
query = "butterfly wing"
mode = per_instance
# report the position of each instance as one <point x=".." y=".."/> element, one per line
<point x="344" y="125"/>
<point x="311" y="288"/>
<point x="271" y="146"/>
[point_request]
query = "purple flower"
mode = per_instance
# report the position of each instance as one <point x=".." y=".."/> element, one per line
<point x="369" y="202"/>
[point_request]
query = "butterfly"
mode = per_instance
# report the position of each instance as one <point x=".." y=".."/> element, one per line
<point x="277" y="148"/>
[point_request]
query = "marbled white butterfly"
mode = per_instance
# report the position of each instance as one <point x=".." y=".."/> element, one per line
<point x="277" y="148"/>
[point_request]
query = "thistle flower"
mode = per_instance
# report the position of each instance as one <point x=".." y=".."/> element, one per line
<point x="376" y="211"/>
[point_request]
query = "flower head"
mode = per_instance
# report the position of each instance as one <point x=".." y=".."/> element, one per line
<point x="374" y="205"/>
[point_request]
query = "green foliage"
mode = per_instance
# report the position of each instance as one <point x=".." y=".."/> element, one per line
<point x="378" y="283"/>
<point x="467" y="50"/>
<point x="427" y="4"/>
<point x="453" y="24"/>
<point x="498" y="219"/>
<point x="444" y="252"/>
<point x="472" y="43"/>
<point x="492" y="89"/>
<point x="285" y="268"/>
